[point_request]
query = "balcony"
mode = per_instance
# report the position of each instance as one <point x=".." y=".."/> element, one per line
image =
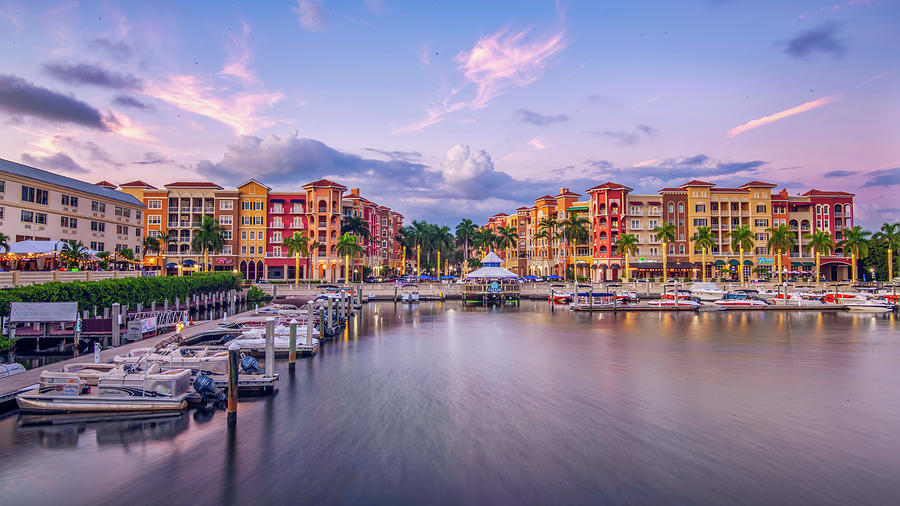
<point x="173" y="224"/>
<point x="209" y="210"/>
<point x="654" y="213"/>
<point x="198" y="209"/>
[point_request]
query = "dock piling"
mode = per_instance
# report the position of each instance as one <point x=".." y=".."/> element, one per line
<point x="270" y="346"/>
<point x="116" y="322"/>
<point x="233" y="359"/>
<point x="292" y="354"/>
<point x="322" y="320"/>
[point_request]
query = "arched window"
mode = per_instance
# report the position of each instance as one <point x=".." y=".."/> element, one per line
<point x="671" y="207"/>
<point x="603" y="250"/>
<point x="334" y="208"/>
<point x="847" y="209"/>
<point x="680" y="208"/>
<point x="323" y="206"/>
<point x="602" y="236"/>
<point x="601" y="208"/>
<point x="837" y="209"/>
<point x="681" y="249"/>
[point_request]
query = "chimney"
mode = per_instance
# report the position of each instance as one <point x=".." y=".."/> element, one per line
<point x="354" y="191"/>
<point x="563" y="191"/>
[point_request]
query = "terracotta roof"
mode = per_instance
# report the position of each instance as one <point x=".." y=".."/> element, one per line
<point x="696" y="182"/>
<point x="673" y="190"/>
<point x="105" y="184"/>
<point x="609" y="185"/>
<point x="758" y="184"/>
<point x="820" y="193"/>
<point x="137" y="184"/>
<point x="251" y="180"/>
<point x="325" y="183"/>
<point x="499" y="215"/>
<point x="728" y="190"/>
<point x="520" y="208"/>
<point x="569" y="193"/>
<point x="193" y="184"/>
<point x="545" y="197"/>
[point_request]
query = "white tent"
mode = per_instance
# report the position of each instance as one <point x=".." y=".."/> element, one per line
<point x="491" y="269"/>
<point x="39" y="247"/>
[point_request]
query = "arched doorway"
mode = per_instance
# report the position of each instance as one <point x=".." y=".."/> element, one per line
<point x="260" y="273"/>
<point x="244" y="269"/>
<point x="251" y="270"/>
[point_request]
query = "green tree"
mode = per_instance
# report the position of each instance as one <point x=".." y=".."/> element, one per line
<point x="742" y="240"/>
<point x="210" y="236"/>
<point x="73" y="253"/>
<point x="781" y="239"/>
<point x="347" y="246"/>
<point x="665" y="233"/>
<point x="856" y="240"/>
<point x="627" y="244"/>
<point x="889" y="236"/>
<point x="355" y="225"/>
<point x="574" y="232"/>
<point x="704" y="241"/>
<point x="823" y="244"/>
<point x="508" y="238"/>
<point x="465" y="232"/>
<point x="297" y="245"/>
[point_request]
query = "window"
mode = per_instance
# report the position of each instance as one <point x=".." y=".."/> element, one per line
<point x="253" y="235"/>
<point x="243" y="250"/>
<point x="680" y="208"/>
<point x="154" y="219"/>
<point x="762" y="237"/>
<point x="384" y="244"/>
<point x="699" y="222"/>
<point x="99" y="207"/>
<point x="226" y="250"/>
<point x="35" y="195"/>
<point x="117" y="211"/>
<point x="226" y="205"/>
<point x="1" y="213"/>
<point x="68" y="222"/>
<point x="2" y="186"/>
<point x="226" y="220"/>
<point x="297" y="222"/>
<point x="27" y="217"/>
<point x="245" y="205"/>
<point x="276" y="237"/>
<point x="258" y="205"/>
<point x="40" y="218"/>
<point x="653" y="224"/>
<point x="97" y="246"/>
<point x="681" y="249"/>
<point x="759" y="222"/>
<point x="137" y="232"/>
<point x="277" y="209"/>
<point x="227" y="235"/>
<point x="121" y="229"/>
<point x="671" y="249"/>
<point x="635" y="224"/>
<point x="761" y="208"/>
<point x="153" y="233"/>
<point x="252" y="250"/>
<point x="700" y="208"/>
<point x="258" y="220"/>
<point x="68" y="200"/>
<point x="671" y="208"/>
<point x="154" y="204"/>
<point x="243" y="235"/>
<point x="297" y="208"/>
<point x="98" y="226"/>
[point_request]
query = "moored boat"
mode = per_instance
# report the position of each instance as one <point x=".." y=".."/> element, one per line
<point x="740" y="300"/>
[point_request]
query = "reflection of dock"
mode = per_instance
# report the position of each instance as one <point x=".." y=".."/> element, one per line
<point x="490" y="293"/>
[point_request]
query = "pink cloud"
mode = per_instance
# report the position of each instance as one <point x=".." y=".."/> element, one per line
<point x="239" y="55"/>
<point x="497" y="61"/>
<point x="787" y="113"/>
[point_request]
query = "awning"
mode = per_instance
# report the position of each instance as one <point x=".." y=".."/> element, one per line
<point x="603" y="266"/>
<point x="297" y="201"/>
<point x="796" y="264"/>
<point x="681" y="265"/>
<point x="809" y="264"/>
<point x="171" y="265"/>
<point x="720" y="262"/>
<point x="647" y="265"/>
<point x="280" y="201"/>
<point x="748" y="262"/>
<point x="188" y="263"/>
<point x="615" y="266"/>
<point x="734" y="262"/>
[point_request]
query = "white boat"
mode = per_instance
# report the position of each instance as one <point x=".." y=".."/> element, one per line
<point x="670" y="303"/>
<point x="116" y="390"/>
<point x="593" y="301"/>
<point x="409" y="293"/>
<point x="277" y="308"/>
<point x="740" y="300"/>
<point x="254" y="341"/>
<point x="211" y="359"/>
<point x="559" y="294"/>
<point x="870" y="305"/>
<point x="707" y="291"/>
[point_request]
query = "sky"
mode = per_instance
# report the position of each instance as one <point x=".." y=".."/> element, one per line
<point x="450" y="109"/>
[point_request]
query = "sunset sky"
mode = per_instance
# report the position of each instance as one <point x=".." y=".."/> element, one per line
<point x="450" y="109"/>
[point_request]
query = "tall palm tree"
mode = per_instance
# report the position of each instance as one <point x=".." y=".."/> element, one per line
<point x="627" y="244"/>
<point x="823" y="243"/>
<point x="665" y="233"/>
<point x="168" y="238"/>
<point x="465" y="232"/>
<point x="485" y="240"/>
<point x="348" y="247"/>
<point x="547" y="230"/>
<point x="781" y="239"/>
<point x="508" y="238"/>
<point x="704" y="240"/>
<point x="889" y="235"/>
<point x="313" y="246"/>
<point x="857" y="241"/>
<point x="210" y="236"/>
<point x="574" y="232"/>
<point x="355" y="225"/>
<point x="104" y="257"/>
<point x="742" y="240"/>
<point x="73" y="252"/>
<point x="297" y="245"/>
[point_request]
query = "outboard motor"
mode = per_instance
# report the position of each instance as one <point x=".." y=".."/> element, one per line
<point x="249" y="365"/>
<point x="206" y="387"/>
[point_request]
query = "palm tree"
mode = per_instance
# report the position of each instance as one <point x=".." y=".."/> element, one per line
<point x="210" y="236"/>
<point x="627" y="244"/>
<point x="484" y="240"/>
<point x="126" y="254"/>
<point x="104" y="257"/>
<point x="297" y="245"/>
<point x="823" y="243"/>
<point x="168" y="238"/>
<point x="889" y="235"/>
<point x="857" y="241"/>
<point x="355" y="225"/>
<point x="665" y="233"/>
<point x="348" y="247"/>
<point x="742" y="240"/>
<point x="73" y="252"/>
<point x="704" y="240"/>
<point x="508" y="238"/>
<point x="4" y="242"/>
<point x="780" y="239"/>
<point x="313" y="246"/>
<point x="547" y="230"/>
<point x="465" y="232"/>
<point x="574" y="232"/>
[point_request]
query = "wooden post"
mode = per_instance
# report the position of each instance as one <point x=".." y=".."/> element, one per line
<point x="165" y="304"/>
<point x="177" y="303"/>
<point x="292" y="354"/>
<point x="232" y="299"/>
<point x="233" y="359"/>
<point x="77" y="336"/>
<point x="322" y="320"/>
<point x="270" y="346"/>
<point x="310" y="324"/>
<point x="105" y="313"/>
<point x="116" y="316"/>
<point x="330" y="315"/>
<point x="153" y="306"/>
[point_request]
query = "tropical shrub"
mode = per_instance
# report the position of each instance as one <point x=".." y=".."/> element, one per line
<point x="126" y="291"/>
<point x="256" y="295"/>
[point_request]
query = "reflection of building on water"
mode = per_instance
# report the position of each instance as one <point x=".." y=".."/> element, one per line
<point x="63" y="431"/>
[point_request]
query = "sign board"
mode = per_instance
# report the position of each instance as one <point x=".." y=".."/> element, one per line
<point x="43" y="312"/>
<point x="148" y="274"/>
<point x="148" y="325"/>
<point x="494" y="287"/>
<point x="764" y="260"/>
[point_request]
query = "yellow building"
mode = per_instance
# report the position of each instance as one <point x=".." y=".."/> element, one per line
<point x="252" y="198"/>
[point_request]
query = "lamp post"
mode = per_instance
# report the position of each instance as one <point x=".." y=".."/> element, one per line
<point x="418" y="255"/>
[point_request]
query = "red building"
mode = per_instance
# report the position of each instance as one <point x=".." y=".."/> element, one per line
<point x="833" y="213"/>
<point x="608" y="202"/>
<point x="287" y="214"/>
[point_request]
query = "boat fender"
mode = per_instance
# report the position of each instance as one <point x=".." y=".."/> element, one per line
<point x="249" y="365"/>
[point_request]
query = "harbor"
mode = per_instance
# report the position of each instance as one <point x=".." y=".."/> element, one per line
<point x="618" y="396"/>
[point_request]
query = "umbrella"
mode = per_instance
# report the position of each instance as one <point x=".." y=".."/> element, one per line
<point x="448" y="277"/>
<point x="554" y="276"/>
<point x="425" y="276"/>
<point x="531" y="277"/>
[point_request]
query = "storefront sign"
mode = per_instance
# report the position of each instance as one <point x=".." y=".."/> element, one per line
<point x="764" y="260"/>
<point x="223" y="260"/>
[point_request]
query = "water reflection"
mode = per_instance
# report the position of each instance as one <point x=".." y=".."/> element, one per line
<point x="64" y="431"/>
<point x="436" y="403"/>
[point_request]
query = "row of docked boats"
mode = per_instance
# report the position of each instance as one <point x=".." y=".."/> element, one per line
<point x="179" y="371"/>
<point x="709" y="297"/>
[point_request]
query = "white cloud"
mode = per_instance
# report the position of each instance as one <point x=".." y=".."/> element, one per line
<point x="310" y="15"/>
<point x="461" y="164"/>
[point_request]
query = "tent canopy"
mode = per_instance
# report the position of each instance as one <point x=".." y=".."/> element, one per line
<point x="43" y="312"/>
<point x="491" y="269"/>
<point x="40" y="247"/>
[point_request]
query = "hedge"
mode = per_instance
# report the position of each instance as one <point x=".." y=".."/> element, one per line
<point x="126" y="291"/>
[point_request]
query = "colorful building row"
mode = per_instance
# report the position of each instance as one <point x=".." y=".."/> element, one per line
<point x="612" y="209"/>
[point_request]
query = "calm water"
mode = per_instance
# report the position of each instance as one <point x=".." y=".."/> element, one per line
<point x="437" y="404"/>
